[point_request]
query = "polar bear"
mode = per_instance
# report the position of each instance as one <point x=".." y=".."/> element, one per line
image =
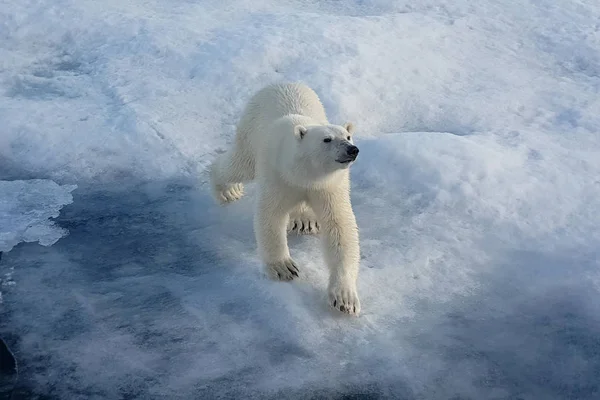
<point x="300" y="163"/>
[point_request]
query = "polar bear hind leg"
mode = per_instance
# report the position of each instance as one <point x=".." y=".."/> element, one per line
<point x="303" y="221"/>
<point x="229" y="172"/>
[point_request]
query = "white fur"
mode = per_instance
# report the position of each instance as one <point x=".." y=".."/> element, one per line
<point x="301" y="184"/>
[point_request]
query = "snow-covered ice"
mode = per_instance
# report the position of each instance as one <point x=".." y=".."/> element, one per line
<point x="477" y="195"/>
<point x="26" y="208"/>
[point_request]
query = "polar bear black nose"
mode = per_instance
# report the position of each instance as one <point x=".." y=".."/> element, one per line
<point x="352" y="151"/>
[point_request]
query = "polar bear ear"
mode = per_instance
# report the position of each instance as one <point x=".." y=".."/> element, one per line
<point x="349" y="126"/>
<point x="299" y="131"/>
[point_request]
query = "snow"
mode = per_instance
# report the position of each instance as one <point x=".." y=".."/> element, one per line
<point x="25" y="209"/>
<point x="476" y="193"/>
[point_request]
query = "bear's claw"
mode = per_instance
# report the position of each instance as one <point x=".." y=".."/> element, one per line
<point x="284" y="270"/>
<point x="344" y="299"/>
<point x="231" y="193"/>
<point x="303" y="227"/>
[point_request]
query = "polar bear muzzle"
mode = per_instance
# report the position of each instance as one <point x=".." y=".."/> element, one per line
<point x="350" y="154"/>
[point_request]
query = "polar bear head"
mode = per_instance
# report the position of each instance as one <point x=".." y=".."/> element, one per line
<point x="323" y="149"/>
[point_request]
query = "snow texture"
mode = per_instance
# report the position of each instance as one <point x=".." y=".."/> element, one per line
<point x="25" y="209"/>
<point x="476" y="193"/>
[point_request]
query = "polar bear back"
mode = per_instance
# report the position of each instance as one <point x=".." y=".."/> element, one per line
<point x="274" y="102"/>
<point x="278" y="100"/>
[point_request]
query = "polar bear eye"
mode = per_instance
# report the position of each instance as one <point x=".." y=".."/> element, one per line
<point x="327" y="140"/>
<point x="348" y="138"/>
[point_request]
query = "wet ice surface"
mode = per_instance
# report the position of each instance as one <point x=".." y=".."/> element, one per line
<point x="26" y="209"/>
<point x="476" y="192"/>
<point x="157" y="292"/>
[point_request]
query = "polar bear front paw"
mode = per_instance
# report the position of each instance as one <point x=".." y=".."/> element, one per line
<point x="344" y="298"/>
<point x="303" y="226"/>
<point x="284" y="270"/>
<point x="230" y="193"/>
